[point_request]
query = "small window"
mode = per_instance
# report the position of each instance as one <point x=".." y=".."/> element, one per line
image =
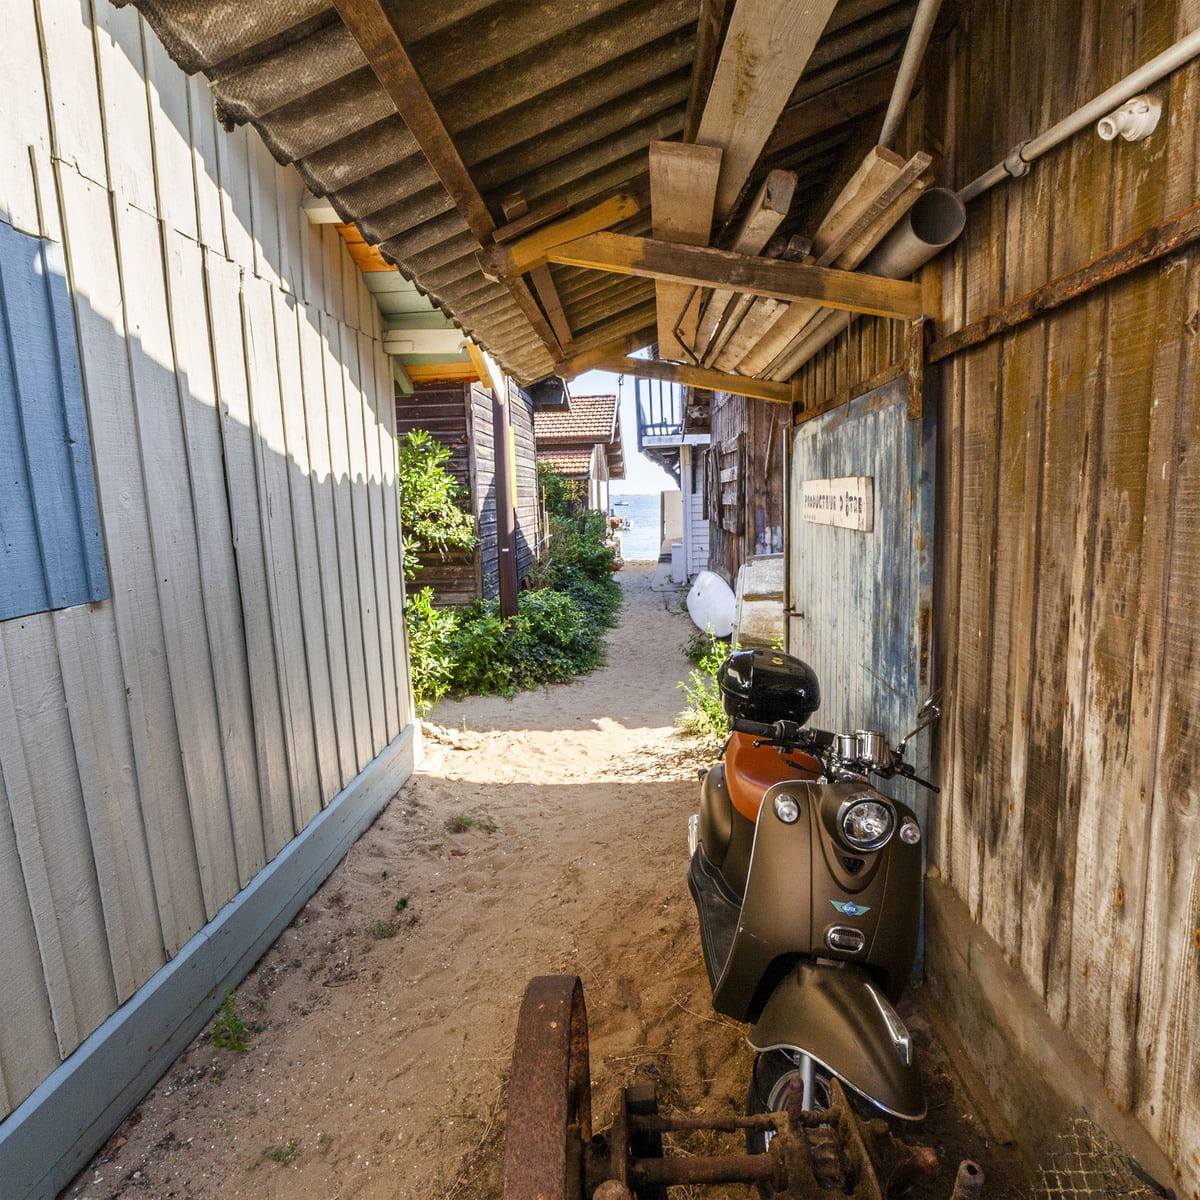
<point x="51" y="554"/>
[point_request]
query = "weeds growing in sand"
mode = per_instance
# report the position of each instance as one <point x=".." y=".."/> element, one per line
<point x="383" y="929"/>
<point x="703" y="716"/>
<point x="229" y="1031"/>
<point x="284" y="1154"/>
<point x="464" y="823"/>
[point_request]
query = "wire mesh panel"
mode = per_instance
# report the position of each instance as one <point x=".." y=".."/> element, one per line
<point x="1085" y="1163"/>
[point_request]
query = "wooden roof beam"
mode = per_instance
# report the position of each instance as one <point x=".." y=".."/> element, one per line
<point x="384" y="51"/>
<point x="683" y="187"/>
<point x="701" y="266"/>
<point x="717" y="381"/>
<point x="766" y="49"/>
<point x="516" y="258"/>
<point x="617" y="348"/>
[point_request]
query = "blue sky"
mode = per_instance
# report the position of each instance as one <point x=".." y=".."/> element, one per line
<point x="641" y="475"/>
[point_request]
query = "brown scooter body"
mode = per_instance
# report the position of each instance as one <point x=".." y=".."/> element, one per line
<point x="807" y="937"/>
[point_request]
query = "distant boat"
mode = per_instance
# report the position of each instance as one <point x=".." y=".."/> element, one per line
<point x="618" y="502"/>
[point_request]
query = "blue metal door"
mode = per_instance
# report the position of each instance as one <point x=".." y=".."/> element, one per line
<point x="860" y="548"/>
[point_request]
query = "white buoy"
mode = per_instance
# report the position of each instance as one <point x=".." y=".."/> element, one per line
<point x="711" y="604"/>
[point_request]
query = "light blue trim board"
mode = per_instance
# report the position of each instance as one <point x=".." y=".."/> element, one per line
<point x="72" y="1113"/>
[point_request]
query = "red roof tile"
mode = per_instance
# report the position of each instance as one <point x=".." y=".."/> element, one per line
<point x="589" y="419"/>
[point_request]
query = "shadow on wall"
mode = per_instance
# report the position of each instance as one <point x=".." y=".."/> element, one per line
<point x="249" y="664"/>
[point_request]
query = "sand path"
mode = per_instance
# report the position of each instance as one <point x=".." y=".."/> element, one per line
<point x="540" y="835"/>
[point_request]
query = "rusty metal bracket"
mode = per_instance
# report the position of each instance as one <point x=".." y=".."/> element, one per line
<point x="1168" y="237"/>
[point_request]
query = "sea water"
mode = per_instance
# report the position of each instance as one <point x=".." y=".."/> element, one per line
<point x="642" y="540"/>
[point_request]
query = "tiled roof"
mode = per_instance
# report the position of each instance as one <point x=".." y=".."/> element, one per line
<point x="589" y="419"/>
<point x="570" y="464"/>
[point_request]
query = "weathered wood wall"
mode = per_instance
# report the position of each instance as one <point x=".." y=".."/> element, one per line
<point x="749" y="436"/>
<point x="1068" y="560"/>
<point x="460" y="416"/>
<point x="520" y="416"/>
<point x="443" y="409"/>
<point x="159" y="747"/>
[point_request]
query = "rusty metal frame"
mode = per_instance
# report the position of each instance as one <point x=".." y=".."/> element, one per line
<point x="1169" y="236"/>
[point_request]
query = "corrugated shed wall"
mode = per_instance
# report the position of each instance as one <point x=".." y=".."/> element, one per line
<point x="1068" y="565"/>
<point x="160" y="746"/>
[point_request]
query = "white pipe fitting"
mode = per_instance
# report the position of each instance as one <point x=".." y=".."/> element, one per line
<point x="1134" y="120"/>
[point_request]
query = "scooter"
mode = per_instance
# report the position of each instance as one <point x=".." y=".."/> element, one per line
<point x="807" y="882"/>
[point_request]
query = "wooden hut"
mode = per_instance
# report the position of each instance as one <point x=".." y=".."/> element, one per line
<point x="460" y="415"/>
<point x="204" y="691"/>
<point x="581" y="440"/>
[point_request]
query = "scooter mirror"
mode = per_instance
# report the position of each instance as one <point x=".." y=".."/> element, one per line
<point x="929" y="712"/>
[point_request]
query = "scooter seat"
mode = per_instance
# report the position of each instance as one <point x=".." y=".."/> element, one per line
<point x="750" y="770"/>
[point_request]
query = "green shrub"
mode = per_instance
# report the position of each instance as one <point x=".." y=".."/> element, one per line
<point x="429" y="632"/>
<point x="431" y="512"/>
<point x="557" y="632"/>
<point x="703" y="715"/>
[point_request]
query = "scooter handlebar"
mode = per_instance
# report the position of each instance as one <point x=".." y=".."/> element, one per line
<point x="784" y="733"/>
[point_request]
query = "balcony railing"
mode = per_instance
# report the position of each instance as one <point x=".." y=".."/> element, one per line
<point x="659" y="411"/>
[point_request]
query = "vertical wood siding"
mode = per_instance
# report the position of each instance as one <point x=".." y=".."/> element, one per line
<point x="1068" y="560"/>
<point x="520" y="416"/>
<point x="161" y="746"/>
<point x="764" y="446"/>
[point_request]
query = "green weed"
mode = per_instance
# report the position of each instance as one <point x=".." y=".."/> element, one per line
<point x="464" y="823"/>
<point x="229" y="1031"/>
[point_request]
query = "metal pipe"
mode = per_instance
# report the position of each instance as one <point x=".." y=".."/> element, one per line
<point x="934" y="221"/>
<point x="910" y="64"/>
<point x="1020" y="156"/>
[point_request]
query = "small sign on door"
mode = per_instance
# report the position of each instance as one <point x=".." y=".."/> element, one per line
<point x="848" y="503"/>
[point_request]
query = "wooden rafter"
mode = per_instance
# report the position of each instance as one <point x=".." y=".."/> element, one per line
<point x="714" y="16"/>
<point x="610" y="351"/>
<point x="683" y="185"/>
<point x="530" y="252"/>
<point x="384" y="51"/>
<point x="832" y="109"/>
<point x="717" y="381"/>
<point x="765" y="52"/>
<point x="701" y="266"/>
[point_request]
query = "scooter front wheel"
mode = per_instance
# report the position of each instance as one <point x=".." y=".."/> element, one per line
<point x="771" y="1080"/>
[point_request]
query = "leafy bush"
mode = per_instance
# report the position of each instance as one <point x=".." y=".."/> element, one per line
<point x="430" y="501"/>
<point x="557" y="632"/>
<point x="704" y="716"/>
<point x="429" y="631"/>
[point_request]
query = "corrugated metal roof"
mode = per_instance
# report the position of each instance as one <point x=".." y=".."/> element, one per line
<point x="554" y="101"/>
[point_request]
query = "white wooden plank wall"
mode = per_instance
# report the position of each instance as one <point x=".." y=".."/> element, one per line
<point x="161" y="746"/>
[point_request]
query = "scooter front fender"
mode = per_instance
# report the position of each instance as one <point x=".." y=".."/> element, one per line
<point x="838" y="1017"/>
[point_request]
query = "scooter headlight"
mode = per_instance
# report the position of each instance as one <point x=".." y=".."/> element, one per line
<point x="866" y="822"/>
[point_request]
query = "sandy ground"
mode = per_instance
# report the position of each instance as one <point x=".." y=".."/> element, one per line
<point x="540" y="835"/>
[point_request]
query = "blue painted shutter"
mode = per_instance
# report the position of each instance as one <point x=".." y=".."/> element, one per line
<point x="51" y="553"/>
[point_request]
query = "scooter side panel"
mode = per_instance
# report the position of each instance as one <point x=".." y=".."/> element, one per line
<point x="835" y="1015"/>
<point x="776" y="916"/>
<point x="716" y="815"/>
